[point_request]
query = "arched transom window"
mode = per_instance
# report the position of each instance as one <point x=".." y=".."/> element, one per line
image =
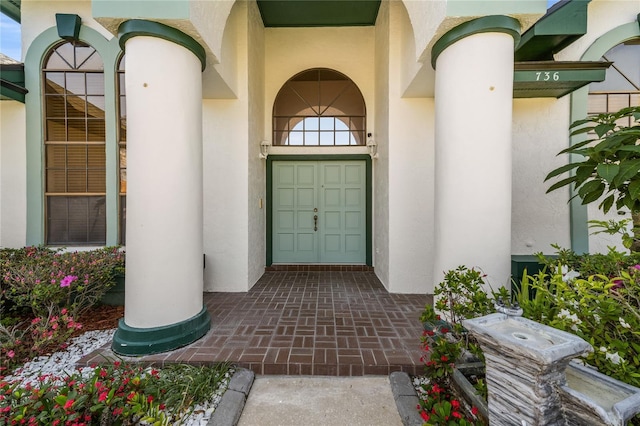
<point x="74" y="142"/>
<point x="319" y="107"/>
<point x="621" y="87"/>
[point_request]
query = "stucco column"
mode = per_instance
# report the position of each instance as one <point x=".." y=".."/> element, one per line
<point x="473" y="97"/>
<point x="164" y="256"/>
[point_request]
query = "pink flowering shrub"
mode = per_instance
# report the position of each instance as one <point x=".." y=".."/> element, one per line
<point x="44" y="280"/>
<point x="42" y="291"/>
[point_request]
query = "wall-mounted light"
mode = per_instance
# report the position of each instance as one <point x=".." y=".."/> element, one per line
<point x="373" y="148"/>
<point x="264" y="149"/>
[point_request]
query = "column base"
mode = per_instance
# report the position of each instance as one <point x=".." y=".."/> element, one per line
<point x="132" y="341"/>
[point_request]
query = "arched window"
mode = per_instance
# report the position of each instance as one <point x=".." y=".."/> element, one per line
<point x="319" y="107"/>
<point x="621" y="87"/>
<point x="122" y="149"/>
<point x="74" y="144"/>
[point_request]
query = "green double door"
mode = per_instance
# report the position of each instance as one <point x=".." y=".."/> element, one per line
<point x="319" y="212"/>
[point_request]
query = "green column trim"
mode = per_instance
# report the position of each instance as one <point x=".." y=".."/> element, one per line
<point x="133" y="341"/>
<point x="487" y="24"/>
<point x="322" y="157"/>
<point x="140" y="27"/>
<point x="578" y="213"/>
<point x="109" y="51"/>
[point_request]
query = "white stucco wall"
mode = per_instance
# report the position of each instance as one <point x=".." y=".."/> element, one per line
<point x="225" y="153"/>
<point x="381" y="136"/>
<point x="42" y="15"/>
<point x="410" y="173"/>
<point x="256" y="167"/>
<point x="13" y="197"/>
<point x="540" y="131"/>
<point x="349" y="50"/>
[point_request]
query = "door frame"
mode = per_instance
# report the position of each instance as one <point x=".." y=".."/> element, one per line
<point x="322" y="157"/>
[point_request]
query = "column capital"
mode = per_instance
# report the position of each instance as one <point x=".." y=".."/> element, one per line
<point x="141" y="27"/>
<point x="486" y="24"/>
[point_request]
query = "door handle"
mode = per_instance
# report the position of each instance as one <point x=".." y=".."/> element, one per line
<point x="315" y="222"/>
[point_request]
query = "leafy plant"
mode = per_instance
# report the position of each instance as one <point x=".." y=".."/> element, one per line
<point x="608" y="165"/>
<point x="602" y="308"/>
<point x="459" y="296"/>
<point x="44" y="280"/>
<point x="114" y="394"/>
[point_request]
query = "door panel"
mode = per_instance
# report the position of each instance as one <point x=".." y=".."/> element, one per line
<point x="335" y="192"/>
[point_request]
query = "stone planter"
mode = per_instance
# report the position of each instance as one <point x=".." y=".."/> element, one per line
<point x="115" y="295"/>
<point x="466" y="389"/>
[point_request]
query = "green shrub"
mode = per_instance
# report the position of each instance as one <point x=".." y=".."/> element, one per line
<point x="46" y="280"/>
<point x="601" y="305"/>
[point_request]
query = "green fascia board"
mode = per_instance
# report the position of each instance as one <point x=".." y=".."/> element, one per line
<point x="12" y="86"/>
<point x="543" y="79"/>
<point x="563" y="24"/>
<point x="134" y="341"/>
<point x="141" y="9"/>
<point x="318" y="13"/>
<point x="11" y="8"/>
<point x="495" y="7"/>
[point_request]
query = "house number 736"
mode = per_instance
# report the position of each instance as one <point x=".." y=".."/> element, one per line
<point x="547" y="75"/>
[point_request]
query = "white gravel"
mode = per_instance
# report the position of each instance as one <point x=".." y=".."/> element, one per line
<point x="61" y="363"/>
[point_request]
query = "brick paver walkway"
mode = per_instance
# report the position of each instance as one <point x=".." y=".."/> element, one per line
<point x="308" y="323"/>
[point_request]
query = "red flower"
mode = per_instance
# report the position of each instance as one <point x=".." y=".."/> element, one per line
<point x="455" y="404"/>
<point x="103" y="397"/>
<point x="456" y="415"/>
<point x="444" y="358"/>
<point x="424" y="416"/>
<point x="68" y="404"/>
<point x="474" y="411"/>
<point x="149" y="399"/>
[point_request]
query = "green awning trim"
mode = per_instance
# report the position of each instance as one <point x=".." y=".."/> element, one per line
<point x="551" y="79"/>
<point x="563" y="24"/>
<point x="11" y="8"/>
<point x="318" y="13"/>
<point x="487" y="24"/>
<point x="12" y="86"/>
<point x="140" y="27"/>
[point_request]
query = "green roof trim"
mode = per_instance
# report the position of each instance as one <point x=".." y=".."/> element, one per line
<point x="11" y="8"/>
<point x="140" y="27"/>
<point x="12" y="85"/>
<point x="135" y="341"/>
<point x="550" y="79"/>
<point x="563" y="24"/>
<point x="487" y="24"/>
<point x="318" y="13"/>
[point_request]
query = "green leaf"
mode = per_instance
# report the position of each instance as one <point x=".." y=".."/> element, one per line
<point x="563" y="169"/>
<point x="606" y="204"/>
<point x="634" y="189"/>
<point x="602" y="129"/>
<point x="592" y="196"/>
<point x="628" y="169"/>
<point x="561" y="183"/>
<point x="575" y="146"/>
<point x="608" y="171"/>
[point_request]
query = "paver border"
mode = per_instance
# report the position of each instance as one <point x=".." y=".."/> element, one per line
<point x="406" y="398"/>
<point x="232" y="403"/>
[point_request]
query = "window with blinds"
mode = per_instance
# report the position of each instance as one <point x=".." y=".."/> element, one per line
<point x="319" y="107"/>
<point x="74" y="145"/>
<point x="122" y="150"/>
<point x="621" y="87"/>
